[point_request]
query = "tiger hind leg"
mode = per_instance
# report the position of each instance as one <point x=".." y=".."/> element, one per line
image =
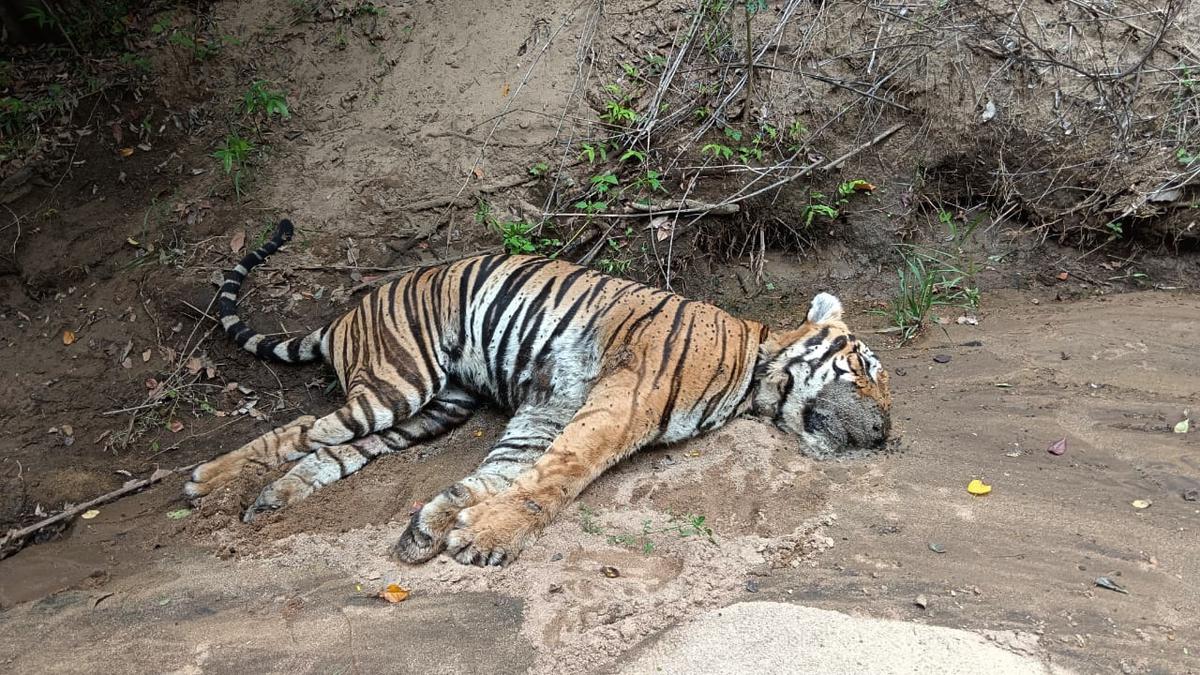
<point x="447" y="410"/>
<point x="365" y="413"/>
<point x="528" y="434"/>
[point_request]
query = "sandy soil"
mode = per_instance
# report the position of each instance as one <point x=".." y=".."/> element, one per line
<point x="852" y="536"/>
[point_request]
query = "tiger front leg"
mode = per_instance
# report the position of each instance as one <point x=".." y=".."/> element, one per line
<point x="497" y="530"/>
<point x="525" y="439"/>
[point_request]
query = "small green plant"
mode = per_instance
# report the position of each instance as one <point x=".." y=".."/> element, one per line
<point x="1185" y="157"/>
<point x="604" y="182"/>
<point x="234" y="153"/>
<point x="630" y="69"/>
<point x="632" y="154"/>
<point x="933" y="277"/>
<point x="587" y="520"/>
<point x="591" y="152"/>
<point x="649" y="181"/>
<point x="615" y="112"/>
<point x="259" y="98"/>
<point x="682" y="527"/>
<point x="591" y="207"/>
<point x="539" y="169"/>
<point x="614" y="262"/>
<point x="515" y="235"/>
<point x="717" y="150"/>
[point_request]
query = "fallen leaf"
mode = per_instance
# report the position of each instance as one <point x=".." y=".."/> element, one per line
<point x="179" y="514"/>
<point x="237" y="241"/>
<point x="478" y="171"/>
<point x="1141" y="503"/>
<point x="194" y="365"/>
<point x="146" y="356"/>
<point x="978" y="488"/>
<point x="126" y="363"/>
<point x="131" y="241"/>
<point x="863" y="186"/>
<point x="1062" y="276"/>
<point x="176" y="426"/>
<point x="967" y="321"/>
<point x="1181" y="428"/>
<point x="478" y="433"/>
<point x="610" y="571"/>
<point x="504" y="90"/>
<point x="1057" y="447"/>
<point x="1105" y="582"/>
<point x="125" y="152"/>
<point x="67" y="430"/>
<point x="394" y="593"/>
<point x="89" y="514"/>
<point x="68" y="337"/>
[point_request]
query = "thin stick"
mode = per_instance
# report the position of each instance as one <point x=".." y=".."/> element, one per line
<point x="131" y="486"/>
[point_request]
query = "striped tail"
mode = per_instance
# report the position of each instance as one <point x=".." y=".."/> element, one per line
<point x="294" y="350"/>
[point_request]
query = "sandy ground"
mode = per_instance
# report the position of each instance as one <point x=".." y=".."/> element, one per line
<point x="768" y="637"/>
<point x="1111" y="375"/>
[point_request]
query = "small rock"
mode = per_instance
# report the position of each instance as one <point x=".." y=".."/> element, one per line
<point x="937" y="548"/>
<point x="555" y="588"/>
<point x="1191" y="495"/>
<point x="941" y="358"/>
<point x="751" y="586"/>
<point x="921" y="601"/>
<point x="556" y="557"/>
<point x="610" y="571"/>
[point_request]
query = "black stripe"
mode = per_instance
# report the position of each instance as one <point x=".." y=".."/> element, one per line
<point x="677" y="376"/>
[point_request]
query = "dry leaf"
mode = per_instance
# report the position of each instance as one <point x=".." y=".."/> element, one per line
<point x="394" y="593"/>
<point x="478" y="171"/>
<point x="1057" y="447"/>
<point x="125" y="152"/>
<point x="89" y="514"/>
<point x="68" y="337"/>
<point x="194" y="365"/>
<point x="1062" y="276"/>
<point x="504" y="90"/>
<point x="863" y="186"/>
<point x="237" y="241"/>
<point x="127" y="363"/>
<point x="146" y="356"/>
<point x="176" y="426"/>
<point x="610" y="571"/>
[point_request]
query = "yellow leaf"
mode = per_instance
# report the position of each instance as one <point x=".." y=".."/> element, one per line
<point x="237" y="241"/>
<point x="125" y="152"/>
<point x="89" y="514"/>
<point x="68" y="337"/>
<point x="978" y="488"/>
<point x="394" y="593"/>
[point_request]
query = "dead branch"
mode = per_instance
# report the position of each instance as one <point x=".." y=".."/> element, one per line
<point x="17" y="536"/>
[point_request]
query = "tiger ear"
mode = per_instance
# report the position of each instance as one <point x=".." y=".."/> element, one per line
<point x="825" y="307"/>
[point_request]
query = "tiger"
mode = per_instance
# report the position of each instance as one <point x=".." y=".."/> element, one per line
<point x="591" y="367"/>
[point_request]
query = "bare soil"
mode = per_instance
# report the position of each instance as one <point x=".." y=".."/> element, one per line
<point x="380" y="166"/>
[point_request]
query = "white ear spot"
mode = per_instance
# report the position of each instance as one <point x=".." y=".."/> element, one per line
<point x="825" y="307"/>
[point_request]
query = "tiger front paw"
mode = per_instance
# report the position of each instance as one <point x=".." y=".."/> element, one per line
<point x="493" y="533"/>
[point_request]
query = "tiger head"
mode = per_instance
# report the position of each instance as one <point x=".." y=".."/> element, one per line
<point x="822" y="384"/>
